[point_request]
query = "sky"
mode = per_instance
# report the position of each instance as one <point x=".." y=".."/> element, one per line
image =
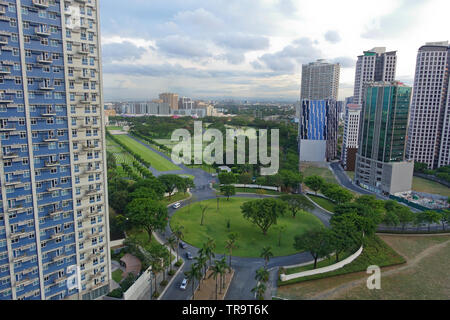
<point x="254" y="49"/>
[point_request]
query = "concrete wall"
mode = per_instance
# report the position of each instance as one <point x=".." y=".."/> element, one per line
<point x="397" y="177"/>
<point x="333" y="267"/>
<point x="139" y="287"/>
<point x="313" y="150"/>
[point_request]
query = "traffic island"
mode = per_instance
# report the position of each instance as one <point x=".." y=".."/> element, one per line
<point x="207" y="289"/>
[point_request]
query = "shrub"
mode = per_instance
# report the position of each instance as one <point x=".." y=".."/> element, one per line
<point x="116" y="293"/>
<point x="163" y="283"/>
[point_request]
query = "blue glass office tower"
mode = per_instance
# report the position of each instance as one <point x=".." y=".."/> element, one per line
<point x="53" y="212"/>
<point x="318" y="130"/>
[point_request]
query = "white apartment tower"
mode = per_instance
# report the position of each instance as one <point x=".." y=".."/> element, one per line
<point x="351" y="136"/>
<point x="429" y="131"/>
<point x="373" y="65"/>
<point x="54" y="229"/>
<point x="320" y="81"/>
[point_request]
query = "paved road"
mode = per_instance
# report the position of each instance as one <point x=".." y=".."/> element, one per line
<point x="245" y="268"/>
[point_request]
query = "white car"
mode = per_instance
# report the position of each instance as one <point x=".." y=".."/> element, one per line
<point x="176" y="205"/>
<point x="184" y="284"/>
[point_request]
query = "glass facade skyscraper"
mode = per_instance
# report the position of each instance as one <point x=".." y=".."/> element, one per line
<point x="53" y="206"/>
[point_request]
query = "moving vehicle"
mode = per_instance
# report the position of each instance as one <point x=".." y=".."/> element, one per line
<point x="189" y="256"/>
<point x="176" y="205"/>
<point x="184" y="284"/>
<point x="183" y="245"/>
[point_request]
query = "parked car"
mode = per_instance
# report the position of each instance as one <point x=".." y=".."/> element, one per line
<point x="176" y="205"/>
<point x="183" y="245"/>
<point x="184" y="284"/>
<point x="189" y="256"/>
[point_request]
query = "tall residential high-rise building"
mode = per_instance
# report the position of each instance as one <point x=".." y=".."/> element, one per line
<point x="320" y="80"/>
<point x="53" y="208"/>
<point x="373" y="65"/>
<point x="429" y="131"/>
<point x="351" y="134"/>
<point x="171" y="99"/>
<point x="381" y="164"/>
<point x="318" y="130"/>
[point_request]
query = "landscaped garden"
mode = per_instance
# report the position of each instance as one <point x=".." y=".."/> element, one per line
<point x="218" y="224"/>
<point x="158" y="162"/>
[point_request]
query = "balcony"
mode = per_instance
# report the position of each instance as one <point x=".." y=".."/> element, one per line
<point x="54" y="236"/>
<point x="5" y="70"/>
<point x="56" y="212"/>
<point x="42" y="31"/>
<point x="10" y="155"/>
<point x="41" y="3"/>
<point x="51" y="139"/>
<point x="45" y="87"/>
<point x="51" y="164"/>
<point x="7" y="128"/>
<point x="44" y="59"/>
<point x="4" y="99"/>
<point x="3" y="40"/>
<point x="49" y="113"/>
<point x="53" y="189"/>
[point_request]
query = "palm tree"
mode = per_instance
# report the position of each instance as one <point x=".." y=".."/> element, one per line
<point x="171" y="242"/>
<point x="156" y="269"/>
<point x="260" y="290"/>
<point x="262" y="275"/>
<point x="226" y="269"/>
<point x="266" y="254"/>
<point x="179" y="235"/>
<point x="209" y="248"/>
<point x="231" y="244"/>
<point x="202" y="262"/>
<point x="216" y="272"/>
<point x="192" y="275"/>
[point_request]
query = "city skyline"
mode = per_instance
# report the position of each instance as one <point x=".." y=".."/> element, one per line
<point x="216" y="50"/>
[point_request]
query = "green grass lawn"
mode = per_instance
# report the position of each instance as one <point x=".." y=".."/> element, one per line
<point x="427" y="186"/>
<point x="258" y="191"/>
<point x="157" y="161"/>
<point x="114" y="128"/>
<point x="350" y="174"/>
<point x="175" y="198"/>
<point x="117" y="275"/>
<point x="324" y="203"/>
<point x="314" y="170"/>
<point x="376" y="252"/>
<point x="250" y="238"/>
<point x="324" y="263"/>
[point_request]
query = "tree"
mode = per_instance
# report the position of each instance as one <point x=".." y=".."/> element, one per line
<point x="202" y="263"/>
<point x="217" y="271"/>
<point x="262" y="275"/>
<point x="245" y="178"/>
<point x="179" y="235"/>
<point x="228" y="191"/>
<point x="281" y="229"/>
<point x="266" y="253"/>
<point x="317" y="242"/>
<point x="208" y="249"/>
<point x="264" y="213"/>
<point x="345" y="234"/>
<point x="369" y="220"/>
<point x="291" y="179"/>
<point x="231" y="244"/>
<point x="260" y="290"/>
<point x="143" y="193"/>
<point x="148" y="214"/>
<point x="371" y="201"/>
<point x="445" y="218"/>
<point x="403" y="213"/>
<point x="315" y="183"/>
<point x="297" y="203"/>
<point x="227" y="178"/>
<point x="171" y="243"/>
<point x="337" y="193"/>
<point x="171" y="182"/>
<point x="204" y="208"/>
<point x="192" y="275"/>
<point x="429" y="217"/>
<point x="391" y="219"/>
<point x="119" y="200"/>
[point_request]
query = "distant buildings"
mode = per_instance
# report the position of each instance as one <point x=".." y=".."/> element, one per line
<point x="171" y="99"/>
<point x="429" y="131"/>
<point x="318" y="130"/>
<point x="381" y="164"/>
<point x="185" y="104"/>
<point x="320" y="80"/>
<point x="373" y="65"/>
<point x="351" y="135"/>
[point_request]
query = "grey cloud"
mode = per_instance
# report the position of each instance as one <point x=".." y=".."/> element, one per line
<point x="121" y="51"/>
<point x="333" y="36"/>
<point x="243" y="41"/>
<point x="233" y="57"/>
<point x="183" y="47"/>
<point x="345" y="62"/>
<point x="396" y="22"/>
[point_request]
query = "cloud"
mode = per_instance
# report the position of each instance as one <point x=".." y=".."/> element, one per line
<point x="300" y="51"/>
<point x="345" y="62"/>
<point x="232" y="57"/>
<point x="243" y="41"/>
<point x="199" y="18"/>
<point x="178" y="46"/>
<point x="333" y="36"/>
<point x="122" y="51"/>
<point x="395" y="23"/>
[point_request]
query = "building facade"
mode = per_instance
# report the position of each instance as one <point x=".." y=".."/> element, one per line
<point x="318" y="130"/>
<point x="373" y="66"/>
<point x="53" y="206"/>
<point x="351" y="135"/>
<point x="171" y="99"/>
<point x="381" y="164"/>
<point x="429" y="132"/>
<point x="320" y="81"/>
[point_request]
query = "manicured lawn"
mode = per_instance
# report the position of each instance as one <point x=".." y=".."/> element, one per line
<point x="250" y="238"/>
<point x="187" y="176"/>
<point x="324" y="263"/>
<point x="351" y="174"/>
<point x="176" y="197"/>
<point x="314" y="170"/>
<point x="157" y="162"/>
<point x="427" y="186"/>
<point x="324" y="203"/>
<point x="258" y="191"/>
<point x="376" y="252"/>
<point x="114" y="128"/>
<point x="117" y="275"/>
